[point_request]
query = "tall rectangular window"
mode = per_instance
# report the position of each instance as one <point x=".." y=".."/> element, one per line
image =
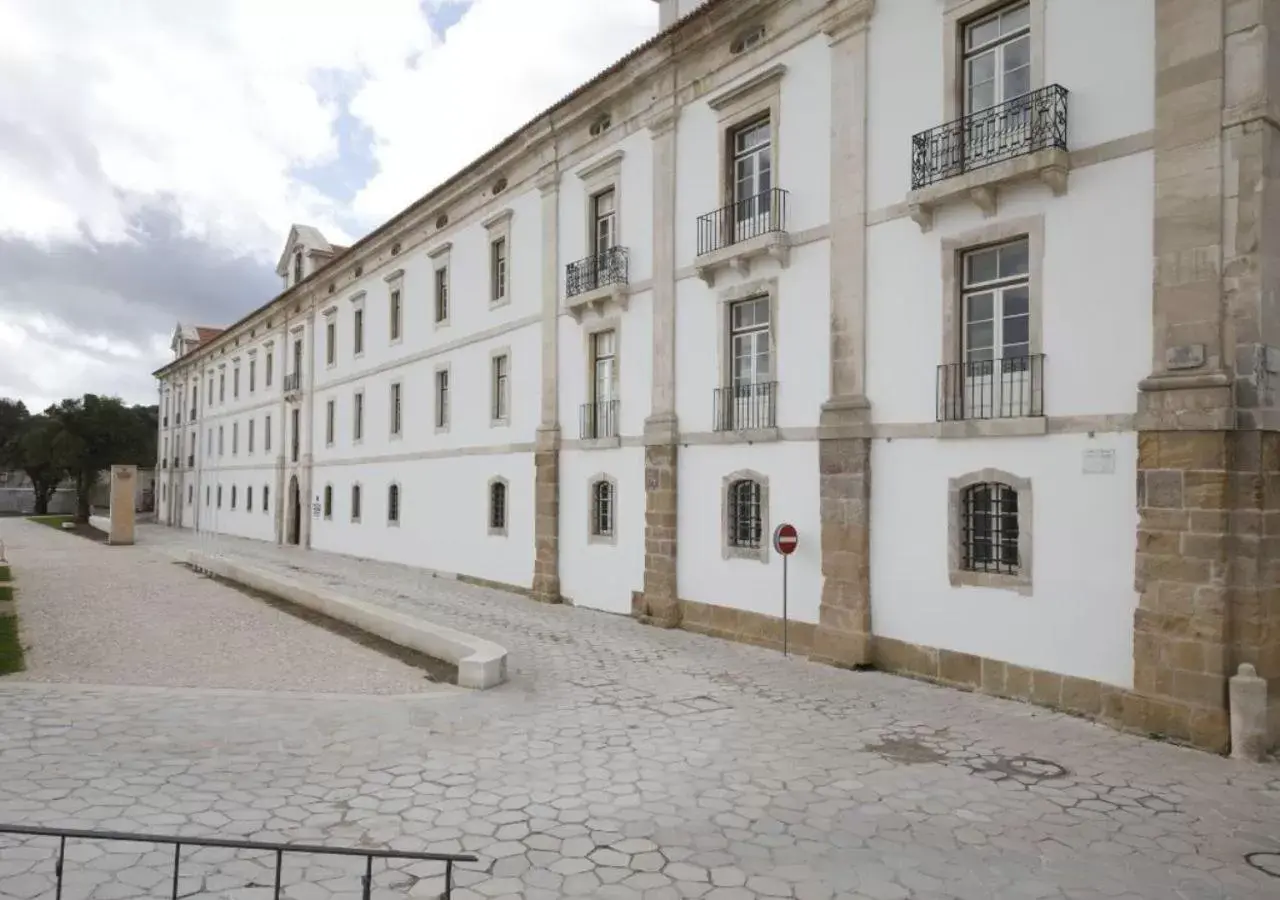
<point x="235" y="438"/>
<point x="328" y="422"/>
<point x="355" y="503"/>
<point x="253" y="375"/>
<point x="266" y="434"/>
<point x="442" y="398"/>
<point x="297" y="359"/>
<point x="268" y="373"/>
<point x="997" y="58"/>
<point x="357" y="416"/>
<point x="210" y="401"/>
<point x="357" y="332"/>
<point x="500" y="388"/>
<point x="603" y="214"/>
<point x="235" y="383"/>
<point x="442" y="294"/>
<point x="396" y="314"/>
<point x="222" y="387"/>
<point x="221" y="445"/>
<point x="752" y="178"/>
<point x="997" y="377"/>
<point x="252" y="422"/>
<point x="210" y="450"/>
<point x="604" y="371"/>
<point x="498" y="269"/>
<point x="395" y="408"/>
<point x="297" y="266"/>
<point x="330" y="342"/>
<point x="295" y="439"/>
<point x="750" y="342"/>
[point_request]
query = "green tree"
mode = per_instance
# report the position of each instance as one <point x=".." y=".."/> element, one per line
<point x="95" y="433"/>
<point x="13" y="420"/>
<point x="37" y="455"/>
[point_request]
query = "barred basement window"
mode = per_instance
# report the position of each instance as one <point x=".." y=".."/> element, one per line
<point x="602" y="499"/>
<point x="328" y="501"/>
<point x="355" y="503"/>
<point x="248" y="499"/>
<point x="266" y="498"/>
<point x="393" y="505"/>
<point x="498" y="506"/>
<point x="989" y="528"/>
<point x="745" y="524"/>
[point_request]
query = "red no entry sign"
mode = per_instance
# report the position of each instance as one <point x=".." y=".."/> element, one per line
<point x="786" y="539"/>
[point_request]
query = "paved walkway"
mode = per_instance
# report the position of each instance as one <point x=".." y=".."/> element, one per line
<point x="629" y="762"/>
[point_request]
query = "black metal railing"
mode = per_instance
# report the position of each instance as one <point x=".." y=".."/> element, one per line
<point x="177" y="461"/>
<point x="191" y="461"/>
<point x="747" y="406"/>
<point x="177" y="418"/>
<point x="193" y="414"/>
<point x="598" y="420"/>
<point x="291" y="381"/>
<point x="165" y="422"/>
<point x="1034" y="121"/>
<point x="164" y="463"/>
<point x="743" y="220"/>
<point x="607" y="267"/>
<point x="279" y="849"/>
<point x="1008" y="388"/>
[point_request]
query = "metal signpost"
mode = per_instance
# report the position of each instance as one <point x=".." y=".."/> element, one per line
<point x="785" y="541"/>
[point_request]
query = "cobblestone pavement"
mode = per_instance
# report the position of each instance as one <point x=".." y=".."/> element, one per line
<point x="625" y="762"/>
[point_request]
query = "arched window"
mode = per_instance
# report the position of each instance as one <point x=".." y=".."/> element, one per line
<point x="498" y="506"/>
<point x="355" y="503"/>
<point x="603" y="494"/>
<point x="328" y="501"/>
<point x="266" y="498"/>
<point x="233" y="496"/>
<point x="248" y="499"/>
<point x="746" y="525"/>
<point x="393" y="504"/>
<point x="219" y="496"/>
<point x="989" y="528"/>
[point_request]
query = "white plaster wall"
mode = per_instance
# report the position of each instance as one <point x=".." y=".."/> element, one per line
<point x="1096" y="294"/>
<point x="635" y="208"/>
<point x="241" y="521"/>
<point x="444" y="515"/>
<point x="1111" y="85"/>
<point x="1078" y="621"/>
<point x="635" y="367"/>
<point x="801" y="333"/>
<point x="704" y="575"/>
<point x="602" y="576"/>
<point x="801" y="157"/>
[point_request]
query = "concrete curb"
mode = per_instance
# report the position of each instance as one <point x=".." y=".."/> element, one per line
<point x="481" y="664"/>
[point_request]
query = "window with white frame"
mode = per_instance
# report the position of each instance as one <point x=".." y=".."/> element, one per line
<point x="442" y="294"/>
<point x="252" y="422"/>
<point x="395" y="408"/>
<point x="500" y="388"/>
<point x="997" y="380"/>
<point x="221" y="444"/>
<point x="603" y="492"/>
<point x="328" y="501"/>
<point x="498" y="506"/>
<point x="604" y="222"/>
<point x="268" y="373"/>
<point x="498" y="270"/>
<point x="752" y="176"/>
<point x="745" y="520"/>
<point x="330" y="343"/>
<point x="266" y="435"/>
<point x="357" y="416"/>
<point x="442" y="398"/>
<point x="357" y="331"/>
<point x="748" y="401"/>
<point x="396" y="314"/>
<point x="393" y="504"/>
<point x="330" y="414"/>
<point x="997" y="58"/>
<point x="235" y="438"/>
<point x="235" y="383"/>
<point x="355" y="503"/>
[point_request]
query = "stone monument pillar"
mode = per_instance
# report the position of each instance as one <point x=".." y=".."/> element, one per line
<point x="123" y="483"/>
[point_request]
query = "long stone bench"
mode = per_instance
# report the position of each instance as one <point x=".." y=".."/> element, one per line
<point x="481" y="664"/>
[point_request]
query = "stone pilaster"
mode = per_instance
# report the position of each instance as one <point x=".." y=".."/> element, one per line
<point x="546" y="457"/>
<point x="1208" y="554"/>
<point x="659" y="604"/>
<point x="546" y="521"/>
<point x="843" y="635"/>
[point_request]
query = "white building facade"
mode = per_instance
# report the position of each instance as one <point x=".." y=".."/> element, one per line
<point x="880" y="270"/>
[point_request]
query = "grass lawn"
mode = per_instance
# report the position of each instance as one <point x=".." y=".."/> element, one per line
<point x="10" y="646"/>
<point x="51" y="521"/>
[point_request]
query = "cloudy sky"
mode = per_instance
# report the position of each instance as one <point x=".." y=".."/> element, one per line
<point x="153" y="153"/>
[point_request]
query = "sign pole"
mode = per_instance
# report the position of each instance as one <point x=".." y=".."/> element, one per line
<point x="784" y="605"/>
<point x="785" y="541"/>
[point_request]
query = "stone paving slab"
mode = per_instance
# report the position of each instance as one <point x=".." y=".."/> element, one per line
<point x="628" y="762"/>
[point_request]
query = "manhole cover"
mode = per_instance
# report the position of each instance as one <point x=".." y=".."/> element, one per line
<point x="1267" y="863"/>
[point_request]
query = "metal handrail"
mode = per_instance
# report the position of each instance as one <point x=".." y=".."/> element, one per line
<point x="179" y="841"/>
<point x="742" y="220"/>
<point x="609" y="266"/>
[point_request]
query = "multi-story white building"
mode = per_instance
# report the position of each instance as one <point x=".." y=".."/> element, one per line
<point x="880" y="270"/>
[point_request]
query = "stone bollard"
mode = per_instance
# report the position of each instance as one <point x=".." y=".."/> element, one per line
<point x="1248" y="697"/>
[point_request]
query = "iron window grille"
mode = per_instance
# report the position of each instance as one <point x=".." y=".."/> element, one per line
<point x="989" y="528"/>
<point x="598" y="420"/>
<point x="602" y="495"/>
<point x="745" y="522"/>
<point x="742" y="220"/>
<point x="355" y="503"/>
<point x="1017" y="127"/>
<point x="328" y="501"/>
<point x="611" y="266"/>
<point x="393" y="504"/>
<point x="497" y="506"/>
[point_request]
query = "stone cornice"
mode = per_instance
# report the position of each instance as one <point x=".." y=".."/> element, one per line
<point x="602" y="164"/>
<point x="498" y="219"/>
<point x="755" y="83"/>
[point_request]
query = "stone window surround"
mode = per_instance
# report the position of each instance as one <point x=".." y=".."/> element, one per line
<point x="330" y="420"/>
<point x="505" y="420"/>
<point x="235" y="378"/>
<point x="357" y="417"/>
<point x="356" y="491"/>
<point x="357" y="303"/>
<point x="506" y="506"/>
<point x="747" y="290"/>
<point x="954" y="247"/>
<point x="614" y="324"/>
<point x="441" y="426"/>
<point x="394" y="486"/>
<point x="395" y="388"/>
<point x="498" y="226"/>
<point x="728" y="550"/>
<point x="1020" y="582"/>
<point x="610" y="539"/>
<point x="395" y="282"/>
<point x="440" y="260"/>
<point x="601" y="175"/>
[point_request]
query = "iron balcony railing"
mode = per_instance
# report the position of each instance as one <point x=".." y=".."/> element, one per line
<point x="1008" y="388"/>
<point x="1034" y="121"/>
<point x="193" y="414"/>
<point x="164" y="463"/>
<point x="165" y="422"/>
<point x="598" y="420"/>
<point x="743" y="220"/>
<point x="177" y="461"/>
<point x="191" y="461"/>
<point x="177" y="418"/>
<point x="179" y="842"/>
<point x="607" y="267"/>
<point x="291" y="381"/>
<point x="746" y="406"/>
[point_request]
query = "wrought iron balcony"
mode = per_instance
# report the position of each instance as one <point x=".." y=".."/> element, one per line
<point x="598" y="420"/>
<point x="177" y="418"/>
<point x="743" y="220"/>
<point x="177" y="462"/>
<point x="1008" y="388"/>
<point x="605" y="268"/>
<point x="1034" y="121"/>
<point x="292" y="381"/>
<point x="746" y="407"/>
<point x="191" y="461"/>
